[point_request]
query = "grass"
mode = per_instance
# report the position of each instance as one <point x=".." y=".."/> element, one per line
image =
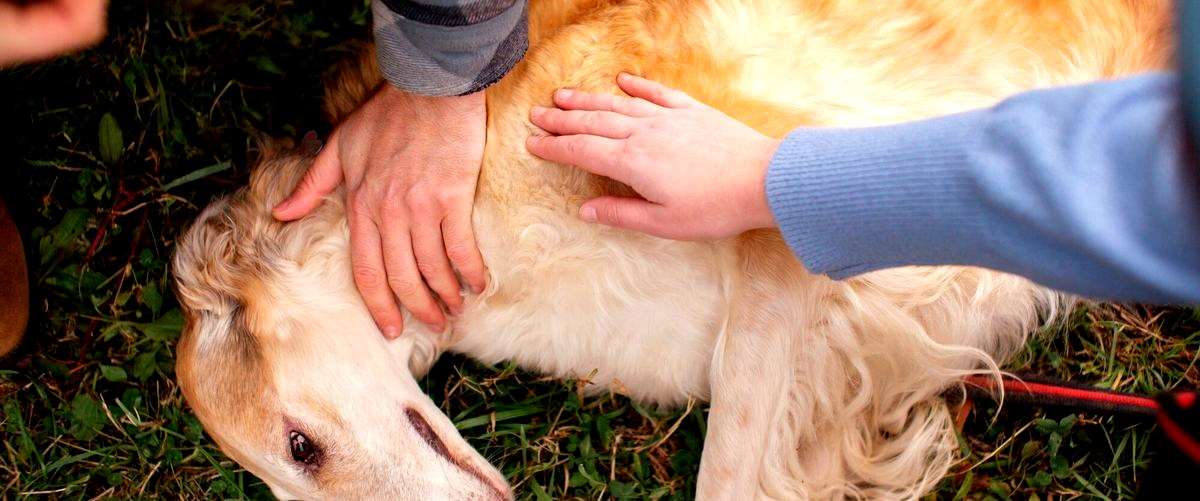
<point x="116" y="149"/>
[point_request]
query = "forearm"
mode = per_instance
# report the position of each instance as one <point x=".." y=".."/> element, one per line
<point x="448" y="47"/>
<point x="1085" y="189"/>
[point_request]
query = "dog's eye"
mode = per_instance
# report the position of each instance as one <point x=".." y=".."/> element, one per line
<point x="304" y="451"/>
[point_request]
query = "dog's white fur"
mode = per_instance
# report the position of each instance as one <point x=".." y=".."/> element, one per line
<point x="818" y="388"/>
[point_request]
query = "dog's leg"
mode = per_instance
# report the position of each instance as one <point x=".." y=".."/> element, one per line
<point x="822" y="389"/>
<point x="752" y="372"/>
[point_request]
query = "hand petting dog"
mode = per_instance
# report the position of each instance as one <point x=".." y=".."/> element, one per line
<point x="699" y="171"/>
<point x="410" y="164"/>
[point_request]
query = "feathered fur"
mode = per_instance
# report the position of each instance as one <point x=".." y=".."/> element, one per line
<point x="818" y="388"/>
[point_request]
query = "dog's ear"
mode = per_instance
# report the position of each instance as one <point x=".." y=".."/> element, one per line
<point x="218" y="361"/>
<point x="203" y="265"/>
<point x="273" y="179"/>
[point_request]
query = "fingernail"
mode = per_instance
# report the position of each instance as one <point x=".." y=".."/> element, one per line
<point x="391" y="332"/>
<point x="565" y="93"/>
<point x="588" y="213"/>
<point x="537" y="111"/>
<point x="282" y="205"/>
<point x="456" y="309"/>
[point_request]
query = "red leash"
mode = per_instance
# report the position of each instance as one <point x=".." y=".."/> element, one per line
<point x="1176" y="447"/>
<point x="1036" y="390"/>
<point x="1040" y="391"/>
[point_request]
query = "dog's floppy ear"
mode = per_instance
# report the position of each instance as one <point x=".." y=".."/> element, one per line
<point x="205" y="278"/>
<point x="219" y="362"/>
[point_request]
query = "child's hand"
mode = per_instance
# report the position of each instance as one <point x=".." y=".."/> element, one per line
<point x="701" y="173"/>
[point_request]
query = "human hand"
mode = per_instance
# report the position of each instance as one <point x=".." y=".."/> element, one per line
<point x="46" y="28"/>
<point x="700" y="172"/>
<point x="410" y="164"/>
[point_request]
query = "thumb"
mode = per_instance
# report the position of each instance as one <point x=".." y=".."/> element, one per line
<point x="322" y="177"/>
<point x="628" y="213"/>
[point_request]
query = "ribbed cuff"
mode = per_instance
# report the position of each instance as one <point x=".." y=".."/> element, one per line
<point x="849" y="201"/>
<point x="449" y="51"/>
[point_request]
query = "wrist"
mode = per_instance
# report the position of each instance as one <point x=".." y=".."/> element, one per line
<point x="464" y="105"/>
<point x="760" y="215"/>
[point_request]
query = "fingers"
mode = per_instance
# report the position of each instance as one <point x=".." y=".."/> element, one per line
<point x="403" y="276"/>
<point x="628" y="213"/>
<point x="321" y="179"/>
<point x="44" y="29"/>
<point x="594" y="154"/>
<point x="462" y="250"/>
<point x="653" y="91"/>
<point x="597" y="123"/>
<point x="366" y="258"/>
<point x="569" y="99"/>
<point x="433" y="264"/>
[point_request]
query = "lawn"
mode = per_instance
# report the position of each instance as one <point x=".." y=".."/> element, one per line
<point x="110" y="153"/>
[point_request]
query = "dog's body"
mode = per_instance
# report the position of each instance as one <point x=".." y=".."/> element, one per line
<point x="818" y="388"/>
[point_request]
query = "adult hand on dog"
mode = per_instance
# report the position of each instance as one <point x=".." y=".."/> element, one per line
<point x="699" y="171"/>
<point x="30" y="31"/>
<point x="410" y="164"/>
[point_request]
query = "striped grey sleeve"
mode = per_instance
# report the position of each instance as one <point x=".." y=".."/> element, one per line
<point x="449" y="47"/>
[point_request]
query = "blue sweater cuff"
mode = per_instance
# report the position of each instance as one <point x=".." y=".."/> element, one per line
<point x="853" y="200"/>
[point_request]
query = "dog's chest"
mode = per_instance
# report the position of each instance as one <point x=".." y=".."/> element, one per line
<point x="638" y="316"/>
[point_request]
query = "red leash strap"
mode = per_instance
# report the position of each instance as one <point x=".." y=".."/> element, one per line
<point x="1180" y="408"/>
<point x="1177" y="448"/>
<point x="1036" y="390"/>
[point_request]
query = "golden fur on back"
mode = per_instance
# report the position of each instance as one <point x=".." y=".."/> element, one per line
<point x="818" y="388"/>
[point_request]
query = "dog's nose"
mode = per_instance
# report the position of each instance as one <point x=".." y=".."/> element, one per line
<point x="499" y="490"/>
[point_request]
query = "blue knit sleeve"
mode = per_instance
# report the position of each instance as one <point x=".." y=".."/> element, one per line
<point x="1087" y="189"/>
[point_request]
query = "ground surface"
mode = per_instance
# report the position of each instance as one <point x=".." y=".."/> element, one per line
<point x="110" y="153"/>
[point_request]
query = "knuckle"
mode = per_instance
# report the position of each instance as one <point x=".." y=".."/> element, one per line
<point x="571" y="146"/>
<point x="419" y="201"/>
<point x="367" y="276"/>
<point x="630" y="156"/>
<point x="394" y="207"/>
<point x="458" y="252"/>
<point x="392" y="191"/>
<point x="429" y="268"/>
<point x="591" y="121"/>
<point x="612" y="215"/>
<point x="448" y="198"/>
<point x="404" y="287"/>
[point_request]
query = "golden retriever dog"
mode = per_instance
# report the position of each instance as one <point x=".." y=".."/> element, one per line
<point x="818" y="388"/>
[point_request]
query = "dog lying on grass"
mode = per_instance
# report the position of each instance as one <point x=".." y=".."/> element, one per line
<point x="817" y="388"/>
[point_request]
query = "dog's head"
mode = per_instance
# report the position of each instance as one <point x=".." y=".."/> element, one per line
<point x="283" y="365"/>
